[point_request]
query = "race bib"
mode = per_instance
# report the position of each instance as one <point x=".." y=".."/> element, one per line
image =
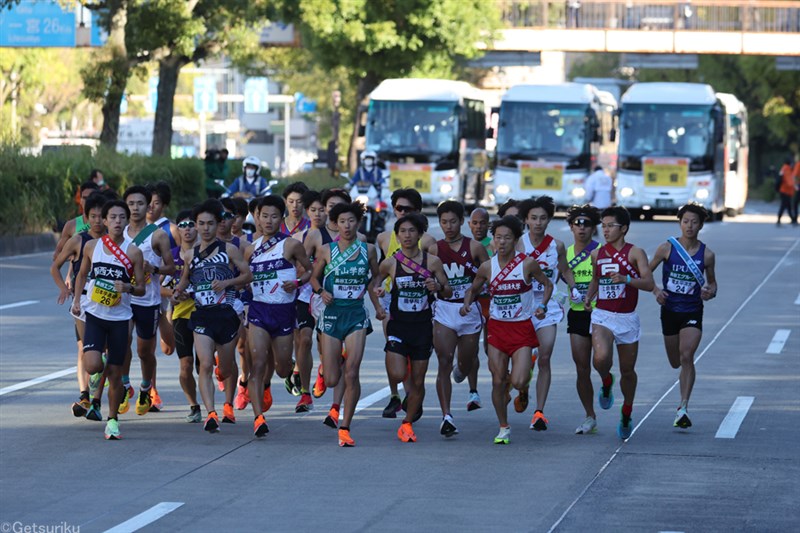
<point x="104" y="293"/>
<point x="265" y="282"/>
<point x="609" y="290"/>
<point x="410" y="299"/>
<point x="538" y="287"/>
<point x="680" y="286"/>
<point x="508" y="307"/>
<point x="347" y="291"/>
<point x="460" y="286"/>
<point x="204" y="295"/>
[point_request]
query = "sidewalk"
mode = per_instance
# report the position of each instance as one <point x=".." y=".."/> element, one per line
<point x="27" y="244"/>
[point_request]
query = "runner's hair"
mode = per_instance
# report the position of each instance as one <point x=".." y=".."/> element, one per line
<point x="511" y="222"/>
<point x="356" y="208"/>
<point x="418" y="220"/>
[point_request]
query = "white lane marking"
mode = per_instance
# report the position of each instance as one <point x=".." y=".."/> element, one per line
<point x="36" y="381"/>
<point x="18" y="304"/>
<point x="797" y="301"/>
<point x="730" y="424"/>
<point x="375" y="397"/>
<point x="148" y="517"/>
<point x="777" y="342"/>
<point x="705" y="350"/>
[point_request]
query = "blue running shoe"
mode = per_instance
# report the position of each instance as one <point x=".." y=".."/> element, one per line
<point x="606" y="395"/>
<point x="625" y="427"/>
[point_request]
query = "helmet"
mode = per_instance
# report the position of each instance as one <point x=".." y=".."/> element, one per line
<point x="251" y="161"/>
<point x="369" y="153"/>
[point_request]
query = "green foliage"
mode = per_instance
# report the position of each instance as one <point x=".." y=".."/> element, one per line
<point x="316" y="179"/>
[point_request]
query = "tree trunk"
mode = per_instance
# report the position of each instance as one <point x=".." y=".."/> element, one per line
<point x="119" y="72"/>
<point x="169" y="69"/>
<point x="365" y="86"/>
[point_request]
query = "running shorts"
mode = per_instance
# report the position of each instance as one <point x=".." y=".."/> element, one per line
<point x="554" y="316"/>
<point x="484" y="302"/>
<point x="304" y="317"/>
<point x="673" y="322"/>
<point x="145" y="318"/>
<point x="219" y="322"/>
<point x="447" y="314"/>
<point x="111" y="334"/>
<point x="624" y="326"/>
<point x="508" y="337"/>
<point x="339" y="321"/>
<point x="184" y="340"/>
<point x="278" y="320"/>
<point x="579" y="323"/>
<point x="411" y="339"/>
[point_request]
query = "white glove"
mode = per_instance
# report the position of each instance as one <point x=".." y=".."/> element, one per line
<point x="576" y="296"/>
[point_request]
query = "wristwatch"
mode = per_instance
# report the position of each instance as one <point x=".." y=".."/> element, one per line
<point x="318" y="291"/>
<point x="156" y="270"/>
<point x="543" y="307"/>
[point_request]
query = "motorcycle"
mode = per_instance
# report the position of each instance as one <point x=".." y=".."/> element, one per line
<point x="377" y="210"/>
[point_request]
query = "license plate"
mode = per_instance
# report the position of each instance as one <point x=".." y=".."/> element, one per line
<point x="664" y="203"/>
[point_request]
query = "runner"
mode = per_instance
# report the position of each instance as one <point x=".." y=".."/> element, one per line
<point x="154" y="245"/>
<point x="295" y="223"/>
<point x="272" y="318"/>
<point x="688" y="279"/>
<point x="347" y="265"/>
<point x="461" y="257"/>
<point x="114" y="268"/>
<point x="73" y="251"/>
<point x="619" y="272"/>
<point x="511" y="207"/>
<point x="213" y="286"/>
<point x="79" y="223"/>
<point x="550" y="253"/>
<point x="241" y="210"/>
<point x="161" y="196"/>
<point x="583" y="221"/>
<point x="418" y="276"/>
<point x="479" y="227"/>
<point x="511" y="334"/>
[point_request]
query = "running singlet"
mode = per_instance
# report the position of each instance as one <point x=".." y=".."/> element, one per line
<point x="204" y="271"/>
<point x="163" y="223"/>
<point x="305" y="292"/>
<point x="348" y="282"/>
<point x="487" y="243"/>
<point x="583" y="277"/>
<point x="296" y="231"/>
<point x="152" y="295"/>
<point x="459" y="267"/>
<point x="680" y="284"/>
<point x="410" y="300"/>
<point x="270" y="271"/>
<point x="393" y="248"/>
<point x="548" y="261"/>
<point x="614" y="297"/>
<point x="81" y="225"/>
<point x="76" y="264"/>
<point x="185" y="308"/>
<point x="512" y="298"/>
<point x="102" y="300"/>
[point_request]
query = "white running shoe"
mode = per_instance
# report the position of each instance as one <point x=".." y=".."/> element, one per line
<point x="682" y="419"/>
<point x="474" y="401"/>
<point x="504" y="436"/>
<point x="587" y="426"/>
<point x="458" y="377"/>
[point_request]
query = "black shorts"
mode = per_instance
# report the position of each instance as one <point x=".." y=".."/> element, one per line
<point x="411" y="339"/>
<point x="145" y="318"/>
<point x="184" y="340"/>
<point x="304" y="318"/>
<point x="220" y="322"/>
<point x="112" y="335"/>
<point x="578" y="322"/>
<point x="673" y="322"/>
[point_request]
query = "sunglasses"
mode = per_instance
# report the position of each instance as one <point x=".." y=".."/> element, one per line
<point x="186" y="224"/>
<point x="227" y="215"/>
<point x="404" y="208"/>
<point x="582" y="223"/>
<point x="606" y="226"/>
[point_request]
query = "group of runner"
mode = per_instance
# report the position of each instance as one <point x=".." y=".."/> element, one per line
<point x="306" y="272"/>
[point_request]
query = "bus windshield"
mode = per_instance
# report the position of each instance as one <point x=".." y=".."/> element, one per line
<point x="549" y="130"/>
<point x="412" y="127"/>
<point x="666" y="130"/>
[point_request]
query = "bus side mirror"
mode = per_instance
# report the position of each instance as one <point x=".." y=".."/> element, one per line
<point x="362" y="130"/>
<point x="612" y="135"/>
<point x="490" y="133"/>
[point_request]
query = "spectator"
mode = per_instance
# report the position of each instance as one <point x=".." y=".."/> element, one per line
<point x="599" y="188"/>
<point x="215" y="180"/>
<point x="97" y="178"/>
<point x="787" y="189"/>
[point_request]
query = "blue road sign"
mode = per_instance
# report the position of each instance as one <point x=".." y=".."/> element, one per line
<point x="205" y="94"/>
<point x="99" y="35"/>
<point x="152" y="93"/>
<point x="37" y="24"/>
<point x="256" y="91"/>
<point x="303" y="105"/>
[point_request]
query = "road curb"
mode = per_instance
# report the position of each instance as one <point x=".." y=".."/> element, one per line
<point x="27" y="244"/>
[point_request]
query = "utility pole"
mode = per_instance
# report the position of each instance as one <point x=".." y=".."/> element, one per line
<point x="333" y="146"/>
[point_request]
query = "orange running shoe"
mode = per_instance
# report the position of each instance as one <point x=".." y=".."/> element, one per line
<point x="220" y="381"/>
<point x="227" y="414"/>
<point x="539" y="422"/>
<point x="319" y="385"/>
<point x="345" y="440"/>
<point x="406" y="433"/>
<point x="267" y="401"/>
<point x="242" y="397"/>
<point x="305" y="404"/>
<point x="332" y="420"/>
<point x="212" y="422"/>
<point x="521" y="401"/>
<point x="156" y="405"/>
<point x="260" y="427"/>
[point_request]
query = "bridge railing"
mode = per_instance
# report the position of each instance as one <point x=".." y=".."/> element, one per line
<point x="664" y="15"/>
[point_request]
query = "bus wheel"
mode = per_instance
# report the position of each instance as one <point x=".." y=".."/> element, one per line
<point x="731" y="212"/>
<point x="636" y="214"/>
<point x="648" y="215"/>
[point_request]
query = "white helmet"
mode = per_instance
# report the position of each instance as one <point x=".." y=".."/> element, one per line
<point x="251" y="161"/>
<point x="369" y="153"/>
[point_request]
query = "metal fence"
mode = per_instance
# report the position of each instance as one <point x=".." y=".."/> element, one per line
<point x="669" y="15"/>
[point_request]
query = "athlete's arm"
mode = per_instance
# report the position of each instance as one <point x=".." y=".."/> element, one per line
<point x="180" y="288"/>
<point x="591" y="292"/>
<point x="427" y="241"/>
<point x="433" y="249"/>
<point x="639" y="260"/>
<point x="310" y="244"/>
<point x="381" y="244"/>
<point x="138" y="288"/>
<point x="384" y="271"/>
<point x="83" y="273"/>
<point x="661" y="255"/>
<point x="69" y="251"/>
<point x="481" y="276"/>
<point x="176" y="235"/>
<point x="66" y="233"/>
<point x="479" y="253"/>
<point x="439" y="281"/>
<point x="380" y="314"/>
<point x="532" y="270"/>
<point x="710" y="290"/>
<point x="297" y="254"/>
<point x="317" y="273"/>
<point x="563" y="269"/>
<point x="161" y="241"/>
<point x="245" y="274"/>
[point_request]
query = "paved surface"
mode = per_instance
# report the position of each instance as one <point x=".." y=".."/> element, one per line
<point x="55" y="469"/>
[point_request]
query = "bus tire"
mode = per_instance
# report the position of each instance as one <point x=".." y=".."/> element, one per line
<point x="731" y="212"/>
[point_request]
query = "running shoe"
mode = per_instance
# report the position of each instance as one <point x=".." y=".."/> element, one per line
<point x="112" y="430"/>
<point x="521" y="401"/>
<point x="504" y="436"/>
<point x="448" y="427"/>
<point x="405" y="433"/>
<point x="267" y="401"/>
<point x="625" y="427"/>
<point x="289" y="384"/>
<point x="305" y="404"/>
<point x="587" y="426"/>
<point x="143" y="403"/>
<point x="260" y="427"/>
<point x="606" y="395"/>
<point x="227" y="414"/>
<point x="80" y="407"/>
<point x="391" y="410"/>
<point x="474" y="401"/>
<point x="94" y="384"/>
<point x="194" y="416"/>
<point x="218" y="374"/>
<point x="539" y="422"/>
<point x="297" y="388"/>
<point x="332" y="420"/>
<point x="319" y="385"/>
<point x="212" y="422"/>
<point x="125" y="404"/>
<point x="458" y="377"/>
<point x="682" y="419"/>
<point x="242" y="397"/>
<point x="94" y="413"/>
<point x="345" y="440"/>
<point x="157" y="404"/>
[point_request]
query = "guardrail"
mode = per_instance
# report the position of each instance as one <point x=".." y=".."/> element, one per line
<point x="665" y="15"/>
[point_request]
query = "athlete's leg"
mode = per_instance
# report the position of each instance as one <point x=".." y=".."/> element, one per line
<point x="396" y="368"/>
<point x="627" y="372"/>
<point x="282" y="349"/>
<point x="498" y="366"/>
<point x="689" y="341"/>
<point x="331" y="352"/>
<point x="603" y="344"/>
<point x="521" y="368"/>
<point x="83" y="376"/>
<point x="242" y="347"/>
<point x="672" y="346"/>
<point x="417" y="384"/>
<point x="305" y="361"/>
<point x="205" y="348"/>
<point x="259" y="354"/>
<point x="582" y="356"/>
<point x="146" y="348"/>
<point x="547" y="340"/>
<point x="354" y="344"/>
<point x="467" y="353"/>
<point x="165" y="328"/>
<point x="445" y="341"/>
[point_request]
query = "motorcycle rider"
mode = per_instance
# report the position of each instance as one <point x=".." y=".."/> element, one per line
<point x="250" y="184"/>
<point x="368" y="171"/>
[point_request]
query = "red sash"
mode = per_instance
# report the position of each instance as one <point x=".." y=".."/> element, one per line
<point x="539" y="250"/>
<point x="119" y="254"/>
<point x="501" y="277"/>
<point x="620" y="260"/>
<point x="413" y="265"/>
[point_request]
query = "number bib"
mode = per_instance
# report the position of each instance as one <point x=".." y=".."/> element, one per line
<point x="681" y="284"/>
<point x="347" y="289"/>
<point x="507" y="307"/>
<point x="538" y="288"/>
<point x="582" y="287"/>
<point x="410" y="295"/>
<point x="609" y="290"/>
<point x="265" y="282"/>
<point x="205" y="295"/>
<point x="103" y="293"/>
<point x="460" y="286"/>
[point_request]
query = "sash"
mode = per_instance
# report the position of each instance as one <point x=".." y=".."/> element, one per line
<point x="617" y="257"/>
<point x="690" y="264"/>
<point x="413" y="265"/>
<point x="342" y="257"/>
<point x="199" y="256"/>
<point x="539" y="250"/>
<point x="119" y="254"/>
<point x="144" y="234"/>
<point x="266" y="245"/>
<point x="581" y="257"/>
<point x="501" y="277"/>
<point x="302" y="224"/>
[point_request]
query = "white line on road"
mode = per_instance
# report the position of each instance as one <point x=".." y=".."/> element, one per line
<point x="36" y="381"/>
<point x="375" y="397"/>
<point x="777" y="342"/>
<point x="730" y="424"/>
<point x="797" y="301"/>
<point x="148" y="517"/>
<point x="18" y="304"/>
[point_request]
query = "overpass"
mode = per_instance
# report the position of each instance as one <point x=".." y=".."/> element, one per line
<point x="663" y="27"/>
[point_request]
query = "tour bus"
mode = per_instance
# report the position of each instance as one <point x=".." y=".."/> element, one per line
<point x="550" y="138"/>
<point x="431" y="134"/>
<point x="671" y="149"/>
<point x="738" y="151"/>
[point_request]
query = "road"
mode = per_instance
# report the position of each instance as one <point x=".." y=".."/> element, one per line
<point x="168" y="475"/>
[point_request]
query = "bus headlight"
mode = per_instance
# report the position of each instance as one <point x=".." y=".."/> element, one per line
<point x="578" y="192"/>
<point x="503" y="189"/>
<point x="626" y="192"/>
<point x="701" y="194"/>
<point x="445" y="188"/>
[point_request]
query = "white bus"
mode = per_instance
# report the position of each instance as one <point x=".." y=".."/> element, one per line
<point x="671" y="149"/>
<point x="550" y="138"/>
<point x="431" y="134"/>
<point x="738" y="149"/>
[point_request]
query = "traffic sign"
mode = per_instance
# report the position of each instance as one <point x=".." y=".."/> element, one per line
<point x="205" y="94"/>
<point x="152" y="94"/>
<point x="99" y="35"/>
<point x="303" y="105"/>
<point x="256" y="92"/>
<point x="37" y="24"/>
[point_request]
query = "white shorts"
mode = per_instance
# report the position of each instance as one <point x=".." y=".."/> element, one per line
<point x="84" y="303"/>
<point x="385" y="300"/>
<point x="165" y="306"/>
<point x="554" y="315"/>
<point x="238" y="306"/>
<point x="624" y="326"/>
<point x="446" y="314"/>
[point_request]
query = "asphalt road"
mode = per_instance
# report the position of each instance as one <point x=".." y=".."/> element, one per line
<point x="168" y="475"/>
